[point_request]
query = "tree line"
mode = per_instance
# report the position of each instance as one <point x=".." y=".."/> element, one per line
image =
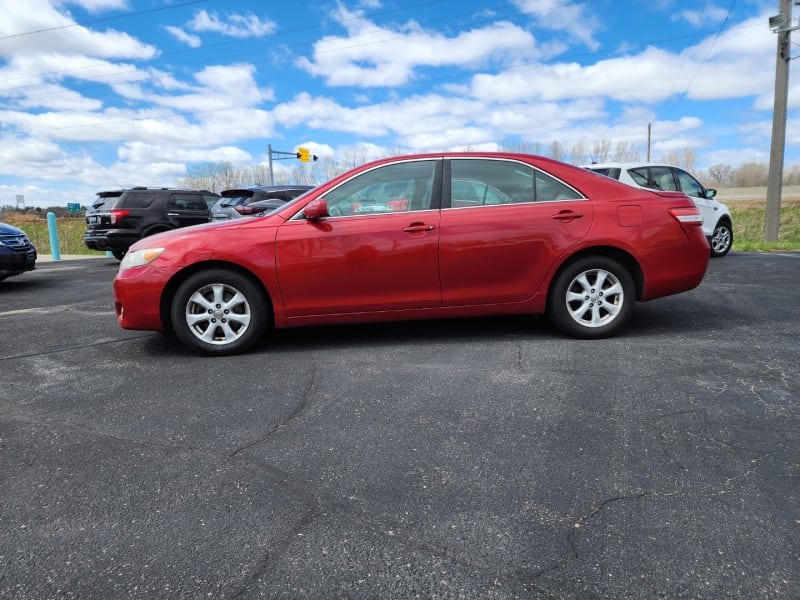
<point x="219" y="176"/>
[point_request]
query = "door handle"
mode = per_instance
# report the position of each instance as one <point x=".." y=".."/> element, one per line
<point x="567" y="216"/>
<point x="418" y="228"/>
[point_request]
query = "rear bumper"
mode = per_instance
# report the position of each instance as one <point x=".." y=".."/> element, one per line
<point x="675" y="269"/>
<point x="110" y="240"/>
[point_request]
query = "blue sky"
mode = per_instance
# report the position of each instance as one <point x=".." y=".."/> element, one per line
<point x="98" y="94"/>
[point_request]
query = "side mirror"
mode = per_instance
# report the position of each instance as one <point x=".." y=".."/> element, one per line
<point x="316" y="209"/>
<point x="710" y="193"/>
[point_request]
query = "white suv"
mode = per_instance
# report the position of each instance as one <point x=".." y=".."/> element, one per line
<point x="717" y="224"/>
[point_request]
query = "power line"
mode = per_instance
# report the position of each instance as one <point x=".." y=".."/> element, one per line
<point x="102" y="19"/>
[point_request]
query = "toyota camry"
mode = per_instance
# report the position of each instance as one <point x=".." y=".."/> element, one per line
<point x="420" y="237"/>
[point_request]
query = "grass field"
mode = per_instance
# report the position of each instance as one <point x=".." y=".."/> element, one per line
<point x="746" y="205"/>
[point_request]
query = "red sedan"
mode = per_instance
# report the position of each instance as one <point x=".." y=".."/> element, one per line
<point x="421" y="237"/>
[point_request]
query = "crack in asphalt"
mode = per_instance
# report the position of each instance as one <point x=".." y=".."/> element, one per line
<point x="301" y="408"/>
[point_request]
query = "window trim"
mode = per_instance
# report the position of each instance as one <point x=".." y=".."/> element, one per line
<point x="446" y="198"/>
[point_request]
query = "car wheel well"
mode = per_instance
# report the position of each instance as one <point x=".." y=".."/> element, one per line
<point x="173" y="284"/>
<point x="627" y="260"/>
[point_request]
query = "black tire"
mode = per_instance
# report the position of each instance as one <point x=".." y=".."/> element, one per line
<point x="219" y="312"/>
<point x="592" y="298"/>
<point x="119" y="254"/>
<point x="721" y="240"/>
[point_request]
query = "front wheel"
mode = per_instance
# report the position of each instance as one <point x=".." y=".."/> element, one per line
<point x="119" y="254"/>
<point x="721" y="240"/>
<point x="592" y="298"/>
<point x="219" y="312"/>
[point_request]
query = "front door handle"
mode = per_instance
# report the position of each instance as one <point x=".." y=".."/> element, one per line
<point x="418" y="228"/>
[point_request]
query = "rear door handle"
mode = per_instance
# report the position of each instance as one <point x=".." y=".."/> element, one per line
<point x="567" y="216"/>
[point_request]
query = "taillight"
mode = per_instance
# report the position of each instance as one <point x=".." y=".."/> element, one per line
<point x="244" y="210"/>
<point x="687" y="216"/>
<point x="117" y="215"/>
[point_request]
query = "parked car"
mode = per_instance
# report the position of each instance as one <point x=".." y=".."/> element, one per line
<point x="17" y="254"/>
<point x="392" y="240"/>
<point x="233" y="201"/>
<point x="119" y="218"/>
<point x="717" y="222"/>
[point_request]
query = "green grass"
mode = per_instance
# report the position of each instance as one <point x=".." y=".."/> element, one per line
<point x="70" y="233"/>
<point x="748" y="230"/>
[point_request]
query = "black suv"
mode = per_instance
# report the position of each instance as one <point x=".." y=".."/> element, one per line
<point x="119" y="218"/>
<point x="17" y="254"/>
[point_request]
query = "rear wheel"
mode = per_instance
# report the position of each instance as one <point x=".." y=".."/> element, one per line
<point x="722" y="239"/>
<point x="219" y="312"/>
<point x="119" y="254"/>
<point x="592" y="298"/>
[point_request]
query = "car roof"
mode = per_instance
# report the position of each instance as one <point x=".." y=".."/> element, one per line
<point x="627" y="165"/>
<point x="264" y="188"/>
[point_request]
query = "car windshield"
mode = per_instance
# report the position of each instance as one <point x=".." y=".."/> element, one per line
<point x="234" y="200"/>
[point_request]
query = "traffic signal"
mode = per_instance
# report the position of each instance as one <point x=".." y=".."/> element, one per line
<point x="304" y="155"/>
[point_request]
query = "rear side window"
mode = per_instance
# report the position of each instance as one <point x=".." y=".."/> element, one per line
<point x="612" y="172"/>
<point x="138" y="200"/>
<point x="481" y="182"/>
<point x="662" y="179"/>
<point x="186" y="202"/>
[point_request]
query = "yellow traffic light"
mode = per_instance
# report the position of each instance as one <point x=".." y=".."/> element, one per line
<point x="304" y="155"/>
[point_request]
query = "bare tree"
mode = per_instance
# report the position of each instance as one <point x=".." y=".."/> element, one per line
<point x="579" y="155"/>
<point x="557" y="151"/>
<point x="601" y="151"/>
<point x="750" y="175"/>
<point x="626" y="152"/>
<point x="720" y="174"/>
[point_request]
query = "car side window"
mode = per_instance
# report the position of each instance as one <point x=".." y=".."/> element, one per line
<point x="210" y="200"/>
<point x="662" y="179"/>
<point x="399" y="187"/>
<point x="689" y="185"/>
<point x="186" y="202"/>
<point x="640" y="176"/>
<point x="483" y="182"/>
<point x="139" y="199"/>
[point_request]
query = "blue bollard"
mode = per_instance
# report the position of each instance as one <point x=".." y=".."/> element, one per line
<point x="55" y="250"/>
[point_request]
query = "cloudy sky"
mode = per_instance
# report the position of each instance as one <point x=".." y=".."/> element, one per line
<point x="98" y="94"/>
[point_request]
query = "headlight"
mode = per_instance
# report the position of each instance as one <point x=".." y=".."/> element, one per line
<point x="138" y="258"/>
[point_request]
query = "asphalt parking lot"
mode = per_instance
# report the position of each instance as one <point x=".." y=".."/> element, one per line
<point x="488" y="458"/>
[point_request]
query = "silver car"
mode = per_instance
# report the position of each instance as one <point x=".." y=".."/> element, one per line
<point x="234" y="200"/>
<point x="717" y="222"/>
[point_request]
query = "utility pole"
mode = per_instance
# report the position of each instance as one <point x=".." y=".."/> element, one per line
<point x="782" y="25"/>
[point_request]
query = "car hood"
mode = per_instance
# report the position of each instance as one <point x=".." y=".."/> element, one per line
<point x="10" y="229"/>
<point x="214" y="228"/>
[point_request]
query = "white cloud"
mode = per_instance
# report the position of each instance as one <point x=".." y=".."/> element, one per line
<point x="374" y="56"/>
<point x="237" y="26"/>
<point x="573" y="19"/>
<point x="100" y="5"/>
<point x="705" y="15"/>
<point x="190" y="40"/>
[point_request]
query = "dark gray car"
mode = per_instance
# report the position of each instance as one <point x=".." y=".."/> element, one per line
<point x="233" y="202"/>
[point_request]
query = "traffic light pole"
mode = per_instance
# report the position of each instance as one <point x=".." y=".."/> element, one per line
<point x="302" y="154"/>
